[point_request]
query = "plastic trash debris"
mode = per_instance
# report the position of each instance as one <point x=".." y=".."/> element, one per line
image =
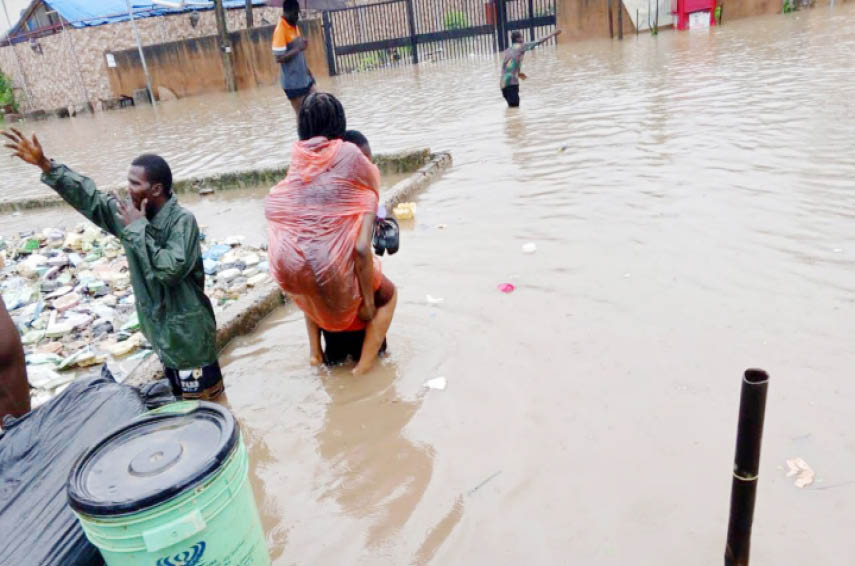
<point x="66" y="302"/>
<point x="133" y="323"/>
<point x="60" y="260"/>
<point x="431" y="300"/>
<point x="441" y="226"/>
<point x="69" y="293"/>
<point x="216" y="252"/>
<point x="228" y="275"/>
<point x="43" y="377"/>
<point x="506" y="287"/>
<point x="83" y="358"/>
<point x="238" y="287"/>
<point x="210" y="266"/>
<point x="29" y="246"/>
<point x="206" y="191"/>
<point x="50" y="348"/>
<point x="437" y="383"/>
<point x="128" y="346"/>
<point x="56" y="329"/>
<point x="257" y="279"/>
<point x="43" y="359"/>
<point x="529" y="248"/>
<point x="32" y="337"/>
<point x="60" y="292"/>
<point x="405" y="211"/>
<point x="802" y="471"/>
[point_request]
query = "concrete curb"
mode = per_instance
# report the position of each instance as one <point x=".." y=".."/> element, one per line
<point x="389" y="164"/>
<point x="243" y="316"/>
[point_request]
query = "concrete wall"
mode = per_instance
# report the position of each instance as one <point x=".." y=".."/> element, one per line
<point x="69" y="63"/>
<point x="736" y="9"/>
<point x="586" y="19"/>
<point x="193" y="66"/>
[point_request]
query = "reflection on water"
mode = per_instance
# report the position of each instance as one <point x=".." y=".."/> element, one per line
<point x="377" y="472"/>
<point x="690" y="196"/>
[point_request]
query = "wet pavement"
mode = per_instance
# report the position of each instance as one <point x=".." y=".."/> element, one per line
<point x="690" y="198"/>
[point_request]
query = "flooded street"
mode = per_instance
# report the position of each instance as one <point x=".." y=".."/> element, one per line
<point x="690" y="196"/>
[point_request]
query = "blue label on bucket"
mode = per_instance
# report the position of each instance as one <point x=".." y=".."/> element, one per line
<point x="190" y="557"/>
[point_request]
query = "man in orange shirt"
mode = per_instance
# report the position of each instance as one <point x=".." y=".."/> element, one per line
<point x="288" y="48"/>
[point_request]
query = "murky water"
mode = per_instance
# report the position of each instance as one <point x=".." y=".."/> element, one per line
<point x="690" y="197"/>
<point x="222" y="214"/>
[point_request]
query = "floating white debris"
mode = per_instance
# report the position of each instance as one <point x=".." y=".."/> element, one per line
<point x="802" y="471"/>
<point x="437" y="383"/>
<point x="434" y="301"/>
<point x="529" y="248"/>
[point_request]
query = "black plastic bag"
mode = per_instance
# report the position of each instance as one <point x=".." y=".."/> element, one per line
<point x="37" y="452"/>
<point x="157" y="394"/>
<point x="387" y="236"/>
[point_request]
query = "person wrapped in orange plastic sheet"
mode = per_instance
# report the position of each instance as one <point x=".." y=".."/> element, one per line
<point x="320" y="224"/>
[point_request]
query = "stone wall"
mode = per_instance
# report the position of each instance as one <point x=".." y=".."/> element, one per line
<point x="68" y="64"/>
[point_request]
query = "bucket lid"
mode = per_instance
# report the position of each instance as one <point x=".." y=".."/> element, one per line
<point x="152" y="459"/>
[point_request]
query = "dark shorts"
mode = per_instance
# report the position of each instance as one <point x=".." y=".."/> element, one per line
<point x="512" y="95"/>
<point x="293" y="93"/>
<point x="339" y="346"/>
<point x="203" y="383"/>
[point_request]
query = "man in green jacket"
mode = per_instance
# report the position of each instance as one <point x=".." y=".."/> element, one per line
<point x="162" y="245"/>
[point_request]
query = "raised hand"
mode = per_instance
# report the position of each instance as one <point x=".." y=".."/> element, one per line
<point x="27" y="150"/>
<point x="128" y="212"/>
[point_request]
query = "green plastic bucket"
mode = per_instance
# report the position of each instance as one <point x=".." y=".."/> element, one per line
<point x="170" y="489"/>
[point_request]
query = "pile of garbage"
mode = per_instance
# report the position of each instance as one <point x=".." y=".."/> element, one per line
<point x="70" y="296"/>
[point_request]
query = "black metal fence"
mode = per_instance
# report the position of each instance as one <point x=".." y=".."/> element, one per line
<point x="404" y="32"/>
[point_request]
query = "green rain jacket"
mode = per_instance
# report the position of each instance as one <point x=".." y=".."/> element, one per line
<point x="165" y="262"/>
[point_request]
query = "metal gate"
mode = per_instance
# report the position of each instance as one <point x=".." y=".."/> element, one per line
<point x="404" y="32"/>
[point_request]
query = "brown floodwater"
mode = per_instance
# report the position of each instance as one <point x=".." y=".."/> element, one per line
<point x="690" y="196"/>
<point x="230" y="212"/>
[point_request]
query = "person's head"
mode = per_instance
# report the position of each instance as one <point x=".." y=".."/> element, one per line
<point x="150" y="178"/>
<point x="356" y="138"/>
<point x="517" y="37"/>
<point x="321" y="115"/>
<point x="291" y="11"/>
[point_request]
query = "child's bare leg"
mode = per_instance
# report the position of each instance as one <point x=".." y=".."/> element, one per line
<point x="316" y="353"/>
<point x="375" y="333"/>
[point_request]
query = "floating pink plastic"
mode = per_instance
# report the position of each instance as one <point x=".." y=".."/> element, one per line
<point x="506" y="287"/>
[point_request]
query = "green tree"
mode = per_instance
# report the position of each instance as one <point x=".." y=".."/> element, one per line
<point x="455" y="19"/>
<point x="7" y="95"/>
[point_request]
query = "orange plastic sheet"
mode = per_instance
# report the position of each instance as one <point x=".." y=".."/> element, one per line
<point x="314" y="217"/>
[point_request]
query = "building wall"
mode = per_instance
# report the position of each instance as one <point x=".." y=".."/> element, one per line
<point x="74" y="61"/>
<point x="586" y="19"/>
<point x="193" y="66"/>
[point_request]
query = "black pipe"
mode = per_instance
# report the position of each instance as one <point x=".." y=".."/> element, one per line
<point x="749" y="434"/>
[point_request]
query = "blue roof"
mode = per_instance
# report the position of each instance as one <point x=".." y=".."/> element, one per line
<point x="83" y="13"/>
